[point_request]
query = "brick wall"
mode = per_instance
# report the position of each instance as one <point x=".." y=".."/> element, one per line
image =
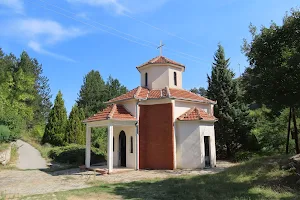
<point x="156" y="137"/>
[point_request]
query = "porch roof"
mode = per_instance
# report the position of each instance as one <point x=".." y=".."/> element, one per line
<point x="112" y="112"/>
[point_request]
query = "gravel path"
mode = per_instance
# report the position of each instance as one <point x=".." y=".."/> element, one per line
<point x="29" y="182"/>
<point x="29" y="157"/>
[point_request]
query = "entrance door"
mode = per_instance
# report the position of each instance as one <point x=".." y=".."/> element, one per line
<point x="207" y="151"/>
<point x="122" y="148"/>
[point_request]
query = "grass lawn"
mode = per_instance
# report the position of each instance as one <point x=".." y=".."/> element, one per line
<point x="4" y="146"/>
<point x="260" y="178"/>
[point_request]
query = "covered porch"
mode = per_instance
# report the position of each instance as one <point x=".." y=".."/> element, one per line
<point x="122" y="138"/>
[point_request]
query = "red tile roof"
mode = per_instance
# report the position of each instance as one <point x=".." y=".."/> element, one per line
<point x="161" y="60"/>
<point x="187" y="95"/>
<point x="196" y="114"/>
<point x="113" y="111"/>
<point x="145" y="93"/>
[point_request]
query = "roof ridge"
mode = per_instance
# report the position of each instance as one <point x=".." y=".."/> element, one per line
<point x="112" y="111"/>
<point x="198" y="113"/>
<point x="155" y="59"/>
<point x="168" y="91"/>
<point x="136" y="94"/>
<point x="190" y="110"/>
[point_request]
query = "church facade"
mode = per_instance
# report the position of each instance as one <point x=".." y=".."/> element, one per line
<point x="157" y="125"/>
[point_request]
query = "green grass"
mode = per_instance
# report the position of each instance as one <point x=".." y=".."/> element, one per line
<point x="260" y="178"/>
<point x="4" y="146"/>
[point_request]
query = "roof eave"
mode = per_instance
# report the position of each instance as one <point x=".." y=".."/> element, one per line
<point x="200" y="120"/>
<point x="162" y="64"/>
<point x="193" y="100"/>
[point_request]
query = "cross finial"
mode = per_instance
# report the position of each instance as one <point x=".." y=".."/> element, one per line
<point x="160" y="47"/>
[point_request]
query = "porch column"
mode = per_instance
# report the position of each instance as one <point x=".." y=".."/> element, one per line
<point x="137" y="147"/>
<point x="110" y="148"/>
<point x="88" y="147"/>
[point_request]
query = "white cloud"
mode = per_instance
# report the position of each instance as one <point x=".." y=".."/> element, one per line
<point x="16" y="5"/>
<point x="37" y="48"/>
<point x="40" y="34"/>
<point x="50" y="31"/>
<point x="113" y="4"/>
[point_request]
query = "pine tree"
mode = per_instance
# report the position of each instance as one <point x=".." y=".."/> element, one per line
<point x="55" y="129"/>
<point x="75" y="130"/>
<point x="114" y="88"/>
<point x="92" y="94"/>
<point x="232" y="126"/>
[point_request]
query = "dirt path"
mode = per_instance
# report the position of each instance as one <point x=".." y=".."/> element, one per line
<point x="29" y="182"/>
<point x="29" y="157"/>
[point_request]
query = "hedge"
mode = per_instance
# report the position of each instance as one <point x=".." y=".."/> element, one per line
<point x="75" y="154"/>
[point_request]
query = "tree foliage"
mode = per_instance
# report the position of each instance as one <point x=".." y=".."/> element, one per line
<point x="233" y="123"/>
<point x="75" y="128"/>
<point x="56" y="128"/>
<point x="92" y="94"/>
<point x="200" y="91"/>
<point x="273" y="76"/>
<point x="24" y="93"/>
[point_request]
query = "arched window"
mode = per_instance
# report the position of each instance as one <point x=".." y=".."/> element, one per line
<point x="146" y="79"/>
<point x="131" y="144"/>
<point x="175" y="78"/>
<point x="113" y="143"/>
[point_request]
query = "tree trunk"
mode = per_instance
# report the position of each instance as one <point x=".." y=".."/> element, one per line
<point x="228" y="150"/>
<point x="288" y="133"/>
<point x="296" y="131"/>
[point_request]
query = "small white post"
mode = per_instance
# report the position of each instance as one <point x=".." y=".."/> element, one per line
<point x="88" y="147"/>
<point x="110" y="149"/>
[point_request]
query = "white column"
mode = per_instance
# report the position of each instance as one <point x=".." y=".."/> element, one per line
<point x="212" y="148"/>
<point x="88" y="147"/>
<point x="110" y="149"/>
<point x="137" y="147"/>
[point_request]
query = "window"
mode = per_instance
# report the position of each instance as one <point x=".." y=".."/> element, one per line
<point x="146" y="79"/>
<point x="113" y="143"/>
<point x="175" y="78"/>
<point x="131" y="144"/>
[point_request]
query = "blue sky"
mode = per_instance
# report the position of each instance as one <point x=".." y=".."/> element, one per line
<point x="69" y="41"/>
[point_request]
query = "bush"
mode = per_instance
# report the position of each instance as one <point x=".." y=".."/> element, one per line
<point x="6" y="135"/>
<point x="74" y="154"/>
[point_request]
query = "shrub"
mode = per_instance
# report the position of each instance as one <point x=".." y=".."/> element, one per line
<point x="6" y="135"/>
<point x="74" y="154"/>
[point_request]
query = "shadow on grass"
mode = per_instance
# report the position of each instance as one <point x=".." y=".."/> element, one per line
<point x="252" y="180"/>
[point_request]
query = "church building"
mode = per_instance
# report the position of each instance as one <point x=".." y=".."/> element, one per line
<point x="157" y="125"/>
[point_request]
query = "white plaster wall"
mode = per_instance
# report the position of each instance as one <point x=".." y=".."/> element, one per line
<point x="207" y="129"/>
<point x="190" y="144"/>
<point x="171" y="78"/>
<point x="161" y="76"/>
<point x="181" y="107"/>
<point x="130" y="157"/>
<point x="158" y="77"/>
<point x="188" y="150"/>
<point x="130" y="106"/>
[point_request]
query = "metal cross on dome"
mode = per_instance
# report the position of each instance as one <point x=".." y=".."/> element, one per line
<point x="160" y="47"/>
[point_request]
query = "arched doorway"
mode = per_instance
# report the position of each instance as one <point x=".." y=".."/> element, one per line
<point x="122" y="148"/>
